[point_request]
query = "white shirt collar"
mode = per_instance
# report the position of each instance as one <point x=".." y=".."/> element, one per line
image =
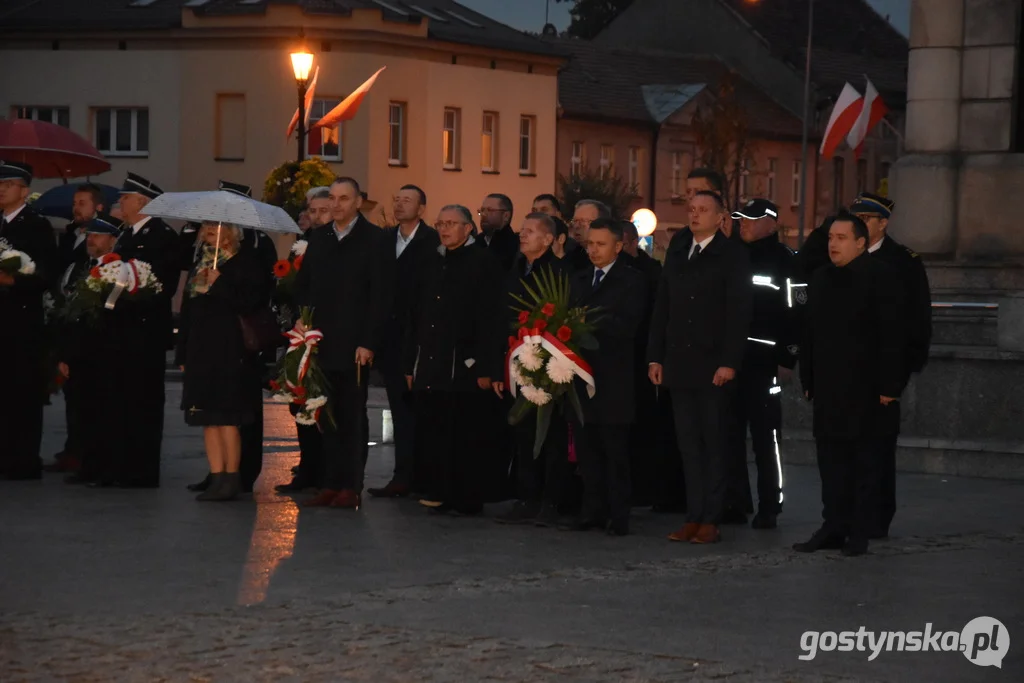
<point x="703" y="244"/>
<point x="876" y="246"/>
<point x="605" y="268"/>
<point x="14" y="214"/>
<point x="403" y="238"/>
<point x="138" y="226"/>
<point x="342" y="234"/>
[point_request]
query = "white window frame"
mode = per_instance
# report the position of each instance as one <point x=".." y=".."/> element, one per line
<point x="489" y="132"/>
<point x="607" y="159"/>
<point x="677" y="175"/>
<point x="396" y="123"/>
<point x="333" y="101"/>
<point x="450" y="138"/>
<point x="634" y="167"/>
<point x="33" y="114"/>
<point x="795" y="185"/>
<point x="576" y="160"/>
<point x="528" y="136"/>
<point x="112" y="113"/>
<point x="773" y="165"/>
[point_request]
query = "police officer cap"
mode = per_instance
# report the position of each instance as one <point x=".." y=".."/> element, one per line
<point x="14" y="170"/>
<point x="237" y="188"/>
<point x="136" y="184"/>
<point x="756" y="209"/>
<point x="872" y="203"/>
<point x="98" y="226"/>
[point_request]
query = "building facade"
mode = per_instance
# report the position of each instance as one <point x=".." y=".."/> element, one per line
<point x="187" y="94"/>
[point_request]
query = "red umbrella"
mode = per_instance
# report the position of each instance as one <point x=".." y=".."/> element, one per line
<point x="52" y="150"/>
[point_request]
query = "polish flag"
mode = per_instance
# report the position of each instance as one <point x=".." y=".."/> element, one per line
<point x="349" y="106"/>
<point x="309" y="106"/>
<point x="871" y="113"/>
<point x="844" y="116"/>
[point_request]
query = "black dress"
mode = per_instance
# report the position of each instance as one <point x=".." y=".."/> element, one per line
<point x="220" y="373"/>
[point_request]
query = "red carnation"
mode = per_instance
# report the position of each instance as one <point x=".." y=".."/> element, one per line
<point x="541" y="324"/>
<point x="523" y="317"/>
<point x="523" y="332"/>
<point x="95" y="273"/>
<point x="274" y="385"/>
<point x="564" y="333"/>
<point x="512" y="342"/>
<point x="548" y="309"/>
<point x="299" y="392"/>
<point x="282" y="268"/>
<point x="297" y="263"/>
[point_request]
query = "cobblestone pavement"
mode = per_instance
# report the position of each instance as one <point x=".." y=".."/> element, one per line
<point x="151" y="586"/>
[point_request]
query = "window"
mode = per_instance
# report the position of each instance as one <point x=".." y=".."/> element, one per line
<point x="607" y="159"/>
<point x="634" y="167"/>
<point x="325" y="143"/>
<point x="396" y="130"/>
<point x="576" y="160"/>
<point x="770" y="189"/>
<point x="59" y="115"/>
<point x="862" y="176"/>
<point x="797" y="169"/>
<point x="121" y="132"/>
<point x="526" y="142"/>
<point x="489" y="142"/>
<point x="677" y="175"/>
<point x="838" y="181"/>
<point x="450" y="138"/>
<point x="229" y="132"/>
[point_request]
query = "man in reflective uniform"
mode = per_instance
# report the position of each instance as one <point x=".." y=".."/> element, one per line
<point x="771" y="354"/>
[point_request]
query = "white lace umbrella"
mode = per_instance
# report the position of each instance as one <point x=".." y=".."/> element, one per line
<point x="219" y="206"/>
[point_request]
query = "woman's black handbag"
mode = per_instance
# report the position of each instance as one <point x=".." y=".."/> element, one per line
<point x="260" y="331"/>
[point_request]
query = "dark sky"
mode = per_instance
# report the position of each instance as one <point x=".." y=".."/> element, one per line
<point x="529" y="14"/>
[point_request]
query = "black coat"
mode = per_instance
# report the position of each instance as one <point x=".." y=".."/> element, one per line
<point x="350" y="285"/>
<point x="701" y="313"/>
<point x="813" y="254"/>
<point x="515" y="278"/>
<point x="651" y="270"/>
<point x="504" y="246"/>
<point x="156" y="244"/>
<point x="576" y="256"/>
<point x="619" y="297"/>
<point x="407" y="268"/>
<point x="853" y="348"/>
<point x="71" y="253"/>
<point x="775" y="306"/>
<point x="456" y="332"/>
<point x="917" y="297"/>
<point x="220" y="372"/>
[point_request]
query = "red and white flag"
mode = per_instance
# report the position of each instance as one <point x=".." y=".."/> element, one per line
<point x="349" y="106"/>
<point x="844" y="116"/>
<point x="872" y="111"/>
<point x="310" y="92"/>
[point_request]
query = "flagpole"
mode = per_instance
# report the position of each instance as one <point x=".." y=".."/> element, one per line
<point x="806" y="124"/>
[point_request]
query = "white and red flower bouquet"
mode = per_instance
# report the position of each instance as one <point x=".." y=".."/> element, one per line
<point x="299" y="379"/>
<point x="544" y="357"/>
<point x="14" y="262"/>
<point x="108" y="282"/>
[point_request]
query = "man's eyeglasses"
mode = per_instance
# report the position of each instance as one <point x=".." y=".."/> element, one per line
<point x="441" y="225"/>
<point x="482" y="211"/>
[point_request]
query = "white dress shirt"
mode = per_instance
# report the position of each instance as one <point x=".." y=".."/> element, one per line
<point x="604" y="270"/>
<point x="8" y="217"/>
<point x="876" y="246"/>
<point x="342" y="234"/>
<point x="702" y="244"/>
<point x="138" y="226"/>
<point x="402" y="241"/>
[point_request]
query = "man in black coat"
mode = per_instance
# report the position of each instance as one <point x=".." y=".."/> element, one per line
<point x="541" y="481"/>
<point x="697" y="342"/>
<point x="144" y="356"/>
<point x="496" y="233"/>
<point x="603" y="443"/>
<point x="771" y="354"/>
<point x="875" y="211"/>
<point x="411" y="244"/>
<point x="452" y="355"/>
<point x="697" y="180"/>
<point x="347" y="278"/>
<point x="853" y="367"/>
<point x="21" y="334"/>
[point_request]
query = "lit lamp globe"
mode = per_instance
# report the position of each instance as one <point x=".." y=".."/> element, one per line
<point x="645" y="221"/>
<point x="302" y="64"/>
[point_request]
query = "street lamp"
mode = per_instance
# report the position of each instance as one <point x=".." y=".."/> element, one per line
<point x="806" y="124"/>
<point x="302" y="64"/>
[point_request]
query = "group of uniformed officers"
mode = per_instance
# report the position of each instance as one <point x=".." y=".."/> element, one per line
<point x="690" y="355"/>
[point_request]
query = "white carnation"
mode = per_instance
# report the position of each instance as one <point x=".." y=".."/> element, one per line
<point x="305" y="418"/>
<point x="536" y="396"/>
<point x="27" y="266"/>
<point x="281" y="398"/>
<point x="316" y="402"/>
<point x="530" y="357"/>
<point x="299" y="248"/>
<point x="514" y="374"/>
<point x="560" y="370"/>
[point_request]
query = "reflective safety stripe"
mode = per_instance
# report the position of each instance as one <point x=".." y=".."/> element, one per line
<point x="765" y="281"/>
<point x="761" y="341"/>
<point x="774" y="390"/>
<point x="790" y="286"/>
<point x="778" y="462"/>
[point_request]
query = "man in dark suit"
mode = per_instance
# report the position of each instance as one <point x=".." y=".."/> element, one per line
<point x="603" y="443"/>
<point x="697" y="180"/>
<point x="853" y="367"/>
<point x="145" y="354"/>
<point x="698" y="335"/>
<point x="21" y="334"/>
<point x="875" y="211"/>
<point x="496" y="233"/>
<point x="347" y="278"/>
<point x="411" y="244"/>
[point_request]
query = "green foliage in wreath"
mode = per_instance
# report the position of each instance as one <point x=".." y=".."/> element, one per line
<point x="287" y="185"/>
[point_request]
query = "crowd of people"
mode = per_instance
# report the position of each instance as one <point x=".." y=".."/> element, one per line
<point x="691" y="355"/>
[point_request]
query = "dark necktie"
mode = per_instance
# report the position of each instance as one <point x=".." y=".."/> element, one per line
<point x="696" y="252"/>
<point x="598" y="274"/>
<point x="529" y="267"/>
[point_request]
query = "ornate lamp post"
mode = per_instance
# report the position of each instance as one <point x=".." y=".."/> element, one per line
<point x="302" y="64"/>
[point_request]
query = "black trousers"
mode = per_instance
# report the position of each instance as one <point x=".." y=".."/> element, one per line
<point x="759" y="409"/>
<point x="73" y="400"/>
<point x="704" y="426"/>
<point x="142" y="418"/>
<point x="889" y="427"/>
<point x="849" y="486"/>
<point x="345" y="442"/>
<point x="311" y="451"/>
<point x="544" y="478"/>
<point x="403" y="420"/>
<point x="252" y="443"/>
<point x="670" y="485"/>
<point x="603" y="452"/>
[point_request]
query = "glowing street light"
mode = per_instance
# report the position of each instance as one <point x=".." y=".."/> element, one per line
<point x="302" y="64"/>
<point x="645" y="221"/>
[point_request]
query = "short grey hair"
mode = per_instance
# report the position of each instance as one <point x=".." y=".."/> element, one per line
<point x="466" y="214"/>
<point x="545" y="220"/>
<point x="602" y="209"/>
<point x="321" y="192"/>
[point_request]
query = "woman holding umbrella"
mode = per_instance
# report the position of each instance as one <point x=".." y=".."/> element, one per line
<point x="227" y="285"/>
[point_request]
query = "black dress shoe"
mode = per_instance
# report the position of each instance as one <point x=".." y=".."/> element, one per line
<point x="79" y="479"/>
<point x="584" y="525"/>
<point x="668" y="508"/>
<point x="200" y="486"/>
<point x="733" y="516"/>
<point x="764" y="520"/>
<point x="820" y="540"/>
<point x="855" y="547"/>
<point x="618" y="528"/>
<point x="547" y="517"/>
<point x="102" y="484"/>
<point x="296" y="485"/>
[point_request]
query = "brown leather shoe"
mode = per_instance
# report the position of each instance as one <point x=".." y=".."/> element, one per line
<point x="686" y="533"/>
<point x="708" y="533"/>
<point x="322" y="499"/>
<point x="347" y="499"/>
<point x="392" y="490"/>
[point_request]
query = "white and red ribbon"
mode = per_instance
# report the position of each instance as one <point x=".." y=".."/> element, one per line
<point x="557" y="349"/>
<point x="305" y="341"/>
<point x="127" y="279"/>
